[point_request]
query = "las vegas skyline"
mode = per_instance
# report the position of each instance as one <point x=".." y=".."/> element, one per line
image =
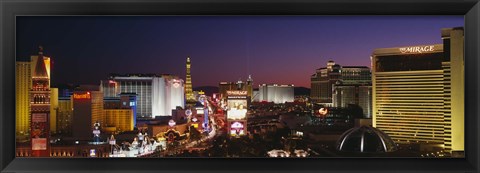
<point x="273" y="49"/>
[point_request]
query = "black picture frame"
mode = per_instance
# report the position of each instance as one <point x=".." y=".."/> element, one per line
<point x="11" y="8"/>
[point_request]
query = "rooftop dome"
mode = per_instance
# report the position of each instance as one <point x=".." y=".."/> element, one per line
<point x="365" y="139"/>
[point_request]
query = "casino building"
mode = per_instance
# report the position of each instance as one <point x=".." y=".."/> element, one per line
<point x="275" y="93"/>
<point x="157" y="95"/>
<point x="356" y="94"/>
<point x="65" y="115"/>
<point x="325" y="78"/>
<point x="223" y="87"/>
<point x="418" y="92"/>
<point x="23" y="83"/>
<point x="87" y="109"/>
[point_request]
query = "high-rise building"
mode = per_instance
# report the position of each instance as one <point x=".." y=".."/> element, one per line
<point x="453" y="39"/>
<point x="23" y="83"/>
<point x="53" y="109"/>
<point x="249" y="86"/>
<point x="40" y="109"/>
<point x="87" y="110"/>
<point x="356" y="94"/>
<point x="223" y="87"/>
<point x="418" y="92"/>
<point x="188" y="83"/>
<point x="156" y="95"/>
<point x="324" y="79"/>
<point x="120" y="112"/>
<point x="121" y="119"/>
<point x="276" y="93"/>
<point x="65" y="115"/>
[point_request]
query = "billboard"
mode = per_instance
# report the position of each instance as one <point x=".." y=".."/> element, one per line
<point x="237" y="128"/>
<point x="39" y="131"/>
<point x="236" y="109"/>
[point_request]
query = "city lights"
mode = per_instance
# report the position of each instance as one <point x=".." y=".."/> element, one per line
<point x="386" y="98"/>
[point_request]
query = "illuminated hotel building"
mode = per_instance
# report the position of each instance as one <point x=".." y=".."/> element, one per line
<point x="120" y="119"/>
<point x="223" y="87"/>
<point x="23" y="83"/>
<point x="326" y="77"/>
<point x="356" y="94"/>
<point x="276" y="93"/>
<point x="64" y="115"/>
<point x="157" y="95"/>
<point x="87" y="109"/>
<point x="120" y="112"/>
<point x="53" y="109"/>
<point x="418" y="92"/>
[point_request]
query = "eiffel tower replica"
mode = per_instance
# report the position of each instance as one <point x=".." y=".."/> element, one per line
<point x="188" y="86"/>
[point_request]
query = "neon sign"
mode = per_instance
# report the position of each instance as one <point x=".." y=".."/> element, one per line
<point x="82" y="96"/>
<point x="323" y="111"/>
<point x="237" y="128"/>
<point x="417" y="49"/>
<point x="241" y="93"/>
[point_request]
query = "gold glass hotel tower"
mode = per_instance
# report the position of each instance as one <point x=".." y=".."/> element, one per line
<point x="23" y="84"/>
<point x="418" y="92"/>
<point x="188" y="83"/>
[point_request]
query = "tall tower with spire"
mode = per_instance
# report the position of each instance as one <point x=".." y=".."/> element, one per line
<point x="40" y="109"/>
<point x="250" y="87"/>
<point x="188" y="83"/>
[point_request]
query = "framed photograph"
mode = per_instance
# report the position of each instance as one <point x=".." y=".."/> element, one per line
<point x="256" y="86"/>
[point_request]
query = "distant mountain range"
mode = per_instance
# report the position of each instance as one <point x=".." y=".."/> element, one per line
<point x="209" y="90"/>
<point x="298" y="91"/>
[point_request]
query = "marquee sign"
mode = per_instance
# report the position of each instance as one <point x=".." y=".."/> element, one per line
<point x="237" y="128"/>
<point x="39" y="131"/>
<point x="237" y="93"/>
<point x="417" y="49"/>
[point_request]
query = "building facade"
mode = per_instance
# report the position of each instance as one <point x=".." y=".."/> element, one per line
<point x="120" y="119"/>
<point x="356" y="94"/>
<point x="23" y="83"/>
<point x="418" y="92"/>
<point x="53" y="109"/>
<point x="223" y="87"/>
<point x="40" y="109"/>
<point x="276" y="93"/>
<point x="64" y="115"/>
<point x="87" y="110"/>
<point x="120" y="112"/>
<point x="156" y="95"/>
<point x="324" y="79"/>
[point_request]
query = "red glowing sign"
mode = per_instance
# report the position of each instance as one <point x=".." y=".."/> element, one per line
<point x="39" y="143"/>
<point x="82" y="96"/>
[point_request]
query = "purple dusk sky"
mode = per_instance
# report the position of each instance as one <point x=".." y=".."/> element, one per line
<point x="273" y="49"/>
